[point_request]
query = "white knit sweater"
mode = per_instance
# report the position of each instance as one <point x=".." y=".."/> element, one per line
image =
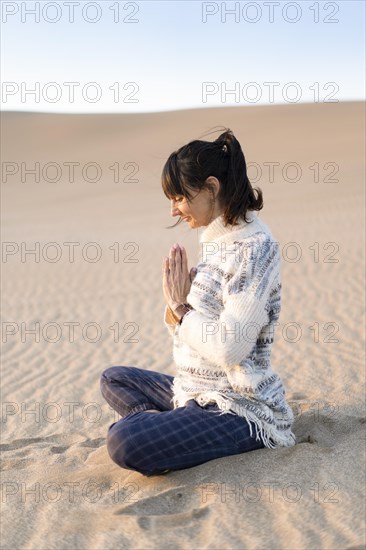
<point x="222" y="348"/>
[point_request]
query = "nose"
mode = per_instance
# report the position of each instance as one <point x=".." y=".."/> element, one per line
<point x="174" y="210"/>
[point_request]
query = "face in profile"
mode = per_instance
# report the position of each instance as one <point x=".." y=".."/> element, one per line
<point x="199" y="211"/>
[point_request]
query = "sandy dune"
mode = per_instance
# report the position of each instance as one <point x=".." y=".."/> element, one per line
<point x="60" y="490"/>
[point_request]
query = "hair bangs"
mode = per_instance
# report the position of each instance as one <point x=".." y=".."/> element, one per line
<point x="170" y="180"/>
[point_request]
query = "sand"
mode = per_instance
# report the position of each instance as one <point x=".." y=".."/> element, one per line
<point x="60" y="488"/>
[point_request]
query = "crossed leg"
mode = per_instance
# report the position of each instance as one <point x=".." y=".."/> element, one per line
<point x="173" y="439"/>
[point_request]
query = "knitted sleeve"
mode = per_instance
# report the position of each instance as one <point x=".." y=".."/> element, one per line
<point x="246" y="297"/>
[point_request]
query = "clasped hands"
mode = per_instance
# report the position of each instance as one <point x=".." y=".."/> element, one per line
<point x="176" y="278"/>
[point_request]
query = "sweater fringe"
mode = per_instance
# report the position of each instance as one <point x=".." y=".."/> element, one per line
<point x="265" y="432"/>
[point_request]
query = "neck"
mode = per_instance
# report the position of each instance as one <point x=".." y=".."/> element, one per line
<point x="217" y="229"/>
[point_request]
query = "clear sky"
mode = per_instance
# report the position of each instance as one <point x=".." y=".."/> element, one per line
<point x="164" y="55"/>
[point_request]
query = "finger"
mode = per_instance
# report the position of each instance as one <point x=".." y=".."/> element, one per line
<point x="181" y="261"/>
<point x="177" y="257"/>
<point x="166" y="268"/>
<point x="172" y="253"/>
<point x="184" y="260"/>
<point x="172" y="258"/>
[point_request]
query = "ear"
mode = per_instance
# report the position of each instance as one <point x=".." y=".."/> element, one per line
<point x="215" y="184"/>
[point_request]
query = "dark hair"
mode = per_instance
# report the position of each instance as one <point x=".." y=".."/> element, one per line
<point x="187" y="169"/>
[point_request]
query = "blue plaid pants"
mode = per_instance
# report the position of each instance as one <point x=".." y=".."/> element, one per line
<point x="173" y="439"/>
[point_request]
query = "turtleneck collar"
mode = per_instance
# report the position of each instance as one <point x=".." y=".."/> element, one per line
<point x="217" y="230"/>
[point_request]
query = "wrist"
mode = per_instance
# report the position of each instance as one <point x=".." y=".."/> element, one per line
<point x="181" y="310"/>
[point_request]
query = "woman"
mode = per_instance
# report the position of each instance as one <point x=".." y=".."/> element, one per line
<point x="221" y="315"/>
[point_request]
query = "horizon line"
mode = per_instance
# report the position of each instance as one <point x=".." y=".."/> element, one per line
<point x="265" y="105"/>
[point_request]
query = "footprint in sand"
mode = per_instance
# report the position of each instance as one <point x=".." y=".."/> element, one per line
<point x="19" y="449"/>
<point x="172" y="520"/>
<point x="58" y="450"/>
<point x="98" y="442"/>
<point x="18" y="443"/>
<point x="171" y="507"/>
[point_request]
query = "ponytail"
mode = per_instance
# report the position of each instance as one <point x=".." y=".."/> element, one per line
<point x="240" y="195"/>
